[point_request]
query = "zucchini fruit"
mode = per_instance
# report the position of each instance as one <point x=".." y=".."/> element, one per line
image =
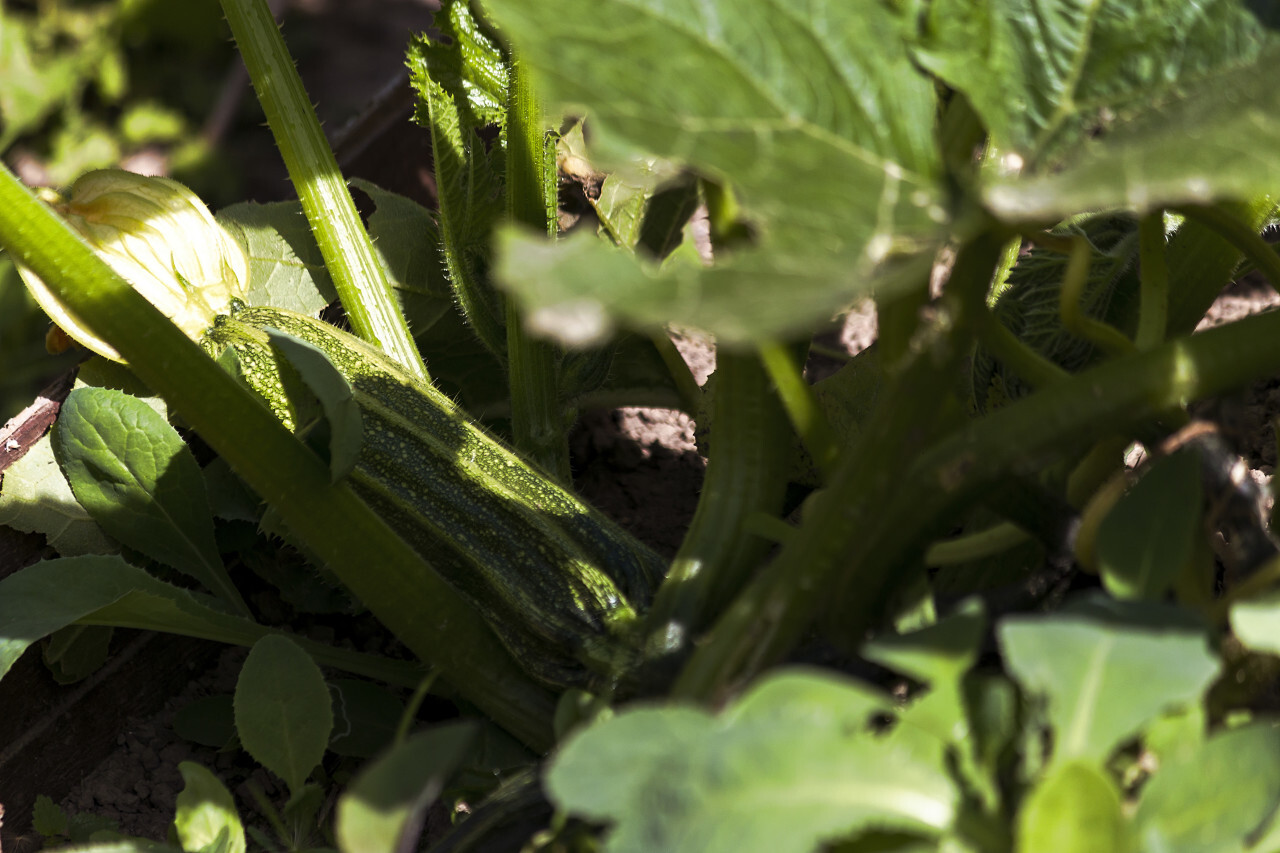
<point x="559" y="583"/>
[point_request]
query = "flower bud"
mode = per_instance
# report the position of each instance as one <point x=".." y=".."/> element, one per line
<point x="158" y="236"/>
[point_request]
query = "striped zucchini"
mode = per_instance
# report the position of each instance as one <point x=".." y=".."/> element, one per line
<point x="559" y="583"/>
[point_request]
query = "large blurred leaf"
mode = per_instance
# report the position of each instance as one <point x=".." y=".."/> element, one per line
<point x="1041" y="72"/>
<point x="388" y="800"/>
<point x="1147" y="538"/>
<point x="813" y="114"/>
<point x="1256" y="622"/>
<point x="38" y="82"/>
<point x="1106" y="668"/>
<point x="938" y="655"/>
<point x="1216" y="139"/>
<point x="1211" y="799"/>
<point x="1072" y="809"/>
<point x="792" y="764"/>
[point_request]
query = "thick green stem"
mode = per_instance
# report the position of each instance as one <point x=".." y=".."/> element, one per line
<point x="746" y="476"/>
<point x="379" y="568"/>
<point x="1071" y="303"/>
<point x="537" y="418"/>
<point x="1032" y="367"/>
<point x="771" y="614"/>
<point x="975" y="546"/>
<point x="801" y="404"/>
<point x="348" y="253"/>
<point x="1018" y="439"/>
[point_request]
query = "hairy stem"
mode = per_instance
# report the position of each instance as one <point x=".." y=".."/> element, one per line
<point x="537" y="420"/>
<point x="1071" y="303"/>
<point x="348" y="253"/>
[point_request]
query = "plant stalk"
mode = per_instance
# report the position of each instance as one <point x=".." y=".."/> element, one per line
<point x="746" y="476"/>
<point x="768" y="618"/>
<point x="348" y="252"/>
<point x="537" y="418"/>
<point x="403" y="592"/>
<point x="801" y="404"/>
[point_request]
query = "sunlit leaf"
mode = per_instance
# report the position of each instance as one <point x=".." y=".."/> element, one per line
<point x="792" y="764"/>
<point x="35" y="497"/>
<point x="1042" y="72"/>
<point x="1212" y="798"/>
<point x="1072" y="809"/>
<point x="814" y="115"/>
<point x="206" y="812"/>
<point x="1105" y="668"/>
<point x="392" y="793"/>
<point x="1216" y="139"/>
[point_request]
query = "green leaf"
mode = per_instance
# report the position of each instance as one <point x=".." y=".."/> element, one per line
<point x="286" y="269"/>
<point x="1074" y="808"/>
<point x="283" y="711"/>
<point x="365" y="717"/>
<point x="816" y="117"/>
<point x="340" y="429"/>
<point x="229" y="498"/>
<point x="461" y="85"/>
<point x="35" y="497"/>
<point x="1213" y="798"/>
<point x="37" y="82"/>
<point x="1040" y="72"/>
<point x="938" y="655"/>
<point x="406" y="238"/>
<point x="104" y="590"/>
<point x="389" y="798"/>
<point x="1210" y="141"/>
<point x="206" y="817"/>
<point x="47" y="817"/>
<point x="1256" y="622"/>
<point x="1147" y="538"/>
<point x="139" y="481"/>
<point x="792" y="764"/>
<point x="77" y="651"/>
<point x="1106" y="668"/>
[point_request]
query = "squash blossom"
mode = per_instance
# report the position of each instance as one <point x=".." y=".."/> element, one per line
<point x="158" y="236"/>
